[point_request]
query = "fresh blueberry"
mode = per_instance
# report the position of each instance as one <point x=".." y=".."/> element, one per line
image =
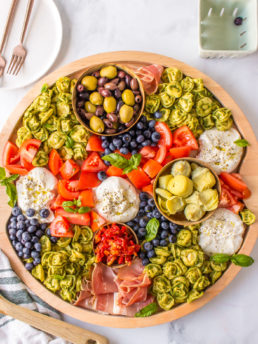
<point x="102" y="175"/>
<point x="138" y="132"/>
<point x="144" y="119"/>
<point x="151" y="254"/>
<point x="34" y="222"/>
<point x="143" y="204"/>
<point x="20" y="254"/>
<point x="127" y="138"/>
<point x="18" y="246"/>
<point x="155" y="242"/>
<point x="164" y="225"/>
<point x="12" y="237"/>
<point x="157" y="115"/>
<point x="136" y="227"/>
<point x="164" y="234"/>
<point x="105" y="144"/>
<point x="37" y="246"/>
<point x="43" y="226"/>
<point x="151" y="123"/>
<point x="27" y="222"/>
<point x="133" y="144"/>
<point x="26" y="256"/>
<point x="140" y="125"/>
<point x="143" y="222"/>
<point x="130" y="223"/>
<point x="28" y="244"/>
<point x="29" y="266"/>
<point x="39" y="233"/>
<point x="147" y="246"/>
<point x="156" y="213"/>
<point x="172" y="238"/>
<point x="14" y="242"/>
<point x="142" y="232"/>
<point x="103" y="138"/>
<point x="26" y="236"/>
<point x="35" y="254"/>
<point x="131" y="132"/>
<point x="141" y="213"/>
<point x="13" y="219"/>
<point x="112" y="147"/>
<point x="124" y="150"/>
<point x="148" y="209"/>
<point x="32" y="229"/>
<point x="12" y="231"/>
<point x="147" y="134"/>
<point x="151" y="202"/>
<point x="30" y="212"/>
<point x="146" y="143"/>
<point x="117" y="143"/>
<point x="19" y="234"/>
<point x="134" y="151"/>
<point x="48" y="232"/>
<point x="143" y="196"/>
<point x="23" y="242"/>
<point x="149" y="215"/>
<point x="44" y="213"/>
<point x="36" y="261"/>
<point x="142" y="255"/>
<point x="107" y="151"/>
<point x="16" y="211"/>
<point x="21" y="218"/>
<point x="145" y="261"/>
<point x="163" y="242"/>
<point x="53" y="240"/>
<point x="140" y="138"/>
<point x="13" y="225"/>
<point x="26" y="250"/>
<point x="21" y="225"/>
<point x="155" y="136"/>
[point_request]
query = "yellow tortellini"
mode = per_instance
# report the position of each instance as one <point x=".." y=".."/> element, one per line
<point x="181" y="168"/>
<point x="193" y="212"/>
<point x="203" y="179"/>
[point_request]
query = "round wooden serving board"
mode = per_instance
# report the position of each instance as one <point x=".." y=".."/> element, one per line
<point x="248" y="170"/>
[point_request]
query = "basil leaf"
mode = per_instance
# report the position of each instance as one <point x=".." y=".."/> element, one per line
<point x="78" y="202"/>
<point x="220" y="258"/>
<point x="69" y="142"/>
<point x="70" y="210"/>
<point x="68" y="204"/>
<point x="242" y="143"/>
<point x="12" y="193"/>
<point x="12" y="178"/>
<point x="242" y="260"/>
<point x="116" y="160"/>
<point x="135" y="160"/>
<point x="152" y="229"/>
<point x="84" y="210"/>
<point x="127" y="169"/>
<point x="147" y="310"/>
<point x="2" y="173"/>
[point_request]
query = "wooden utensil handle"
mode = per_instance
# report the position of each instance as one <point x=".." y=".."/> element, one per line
<point x="51" y="325"/>
<point x="27" y="18"/>
<point x="8" y="24"/>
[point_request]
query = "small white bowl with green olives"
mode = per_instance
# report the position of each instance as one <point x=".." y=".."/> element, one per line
<point x="108" y="99"/>
<point x="187" y="191"/>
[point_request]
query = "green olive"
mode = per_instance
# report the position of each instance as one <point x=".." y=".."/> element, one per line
<point x="90" y="82"/>
<point x="126" y="113"/>
<point x="96" y="98"/>
<point x="109" y="72"/>
<point x="128" y="97"/>
<point x="89" y="107"/>
<point x="109" y="104"/>
<point x="96" y="124"/>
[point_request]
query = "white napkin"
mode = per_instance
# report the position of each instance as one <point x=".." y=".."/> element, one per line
<point x="13" y="331"/>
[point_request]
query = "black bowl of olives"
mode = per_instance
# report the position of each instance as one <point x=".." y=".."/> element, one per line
<point x="108" y="99"/>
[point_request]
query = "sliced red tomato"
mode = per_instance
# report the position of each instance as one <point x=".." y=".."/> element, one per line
<point x="28" y="151"/>
<point x="127" y="156"/>
<point x="226" y="198"/>
<point x="68" y="189"/>
<point x="180" y="152"/>
<point x="166" y="137"/>
<point x="236" y="183"/>
<point x="148" y="152"/>
<point x="138" y="178"/>
<point x="69" y="169"/>
<point x="87" y="198"/>
<point x="11" y="154"/>
<point x="88" y="180"/>
<point x="75" y="218"/>
<point x="95" y="144"/>
<point x="184" y="137"/>
<point x="152" y="168"/>
<point x="114" y="171"/>
<point x="96" y="221"/>
<point x="55" y="162"/>
<point x="93" y="163"/>
<point x="17" y="169"/>
<point x="57" y="202"/>
<point x="236" y="208"/>
<point x="60" y="227"/>
<point x="161" y="154"/>
<point x="148" y="189"/>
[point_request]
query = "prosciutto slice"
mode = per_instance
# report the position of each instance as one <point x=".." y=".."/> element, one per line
<point x="103" y="280"/>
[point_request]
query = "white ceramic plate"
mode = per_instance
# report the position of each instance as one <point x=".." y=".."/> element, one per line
<point x="43" y="40"/>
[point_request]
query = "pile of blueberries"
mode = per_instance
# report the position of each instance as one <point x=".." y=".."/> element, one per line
<point x="25" y="233"/>
<point x="167" y="230"/>
<point x="141" y="135"/>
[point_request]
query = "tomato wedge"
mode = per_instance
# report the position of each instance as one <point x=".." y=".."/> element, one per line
<point x="226" y="198"/>
<point x="60" y="227"/>
<point x="236" y="208"/>
<point x="148" y="152"/>
<point x="161" y="154"/>
<point x="148" y="189"/>
<point x="74" y="218"/>
<point x="184" y="137"/>
<point x="114" y="171"/>
<point x="17" y="169"/>
<point x="69" y="169"/>
<point x="11" y="154"/>
<point x="88" y="180"/>
<point x="68" y="189"/>
<point x="138" y="178"/>
<point x="96" y="221"/>
<point x="57" y="202"/>
<point x="152" y="168"/>
<point x="87" y="198"/>
<point x="94" y="144"/>
<point x="180" y="152"/>
<point x="28" y="150"/>
<point x="93" y="163"/>
<point x="55" y="162"/>
<point x="234" y="181"/>
<point x="166" y="137"/>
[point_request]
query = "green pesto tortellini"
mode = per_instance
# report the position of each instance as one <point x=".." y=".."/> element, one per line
<point x="66" y="125"/>
<point x="189" y="256"/>
<point x="207" y="122"/>
<point x="193" y="274"/>
<point x="247" y="216"/>
<point x="166" y="100"/>
<point x="186" y="102"/>
<point x="187" y="84"/>
<point x="174" y="268"/>
<point x="177" y="118"/>
<point x="180" y="292"/>
<point x="171" y="74"/>
<point x="160" y="284"/>
<point x="63" y="109"/>
<point x="174" y="89"/>
<point x="204" y="107"/>
<point x="165" y="114"/>
<point x="41" y="159"/>
<point x="56" y="140"/>
<point x="152" y="103"/>
<point x="32" y="123"/>
<point x="153" y="270"/>
<point x="202" y="283"/>
<point x="51" y="124"/>
<point x="184" y="238"/>
<point x="66" y="153"/>
<point x="41" y="135"/>
<point x="63" y="85"/>
<point x="44" y="116"/>
<point x="165" y="301"/>
<point x="79" y="134"/>
<point x="42" y="102"/>
<point x="194" y="295"/>
<point x="23" y="134"/>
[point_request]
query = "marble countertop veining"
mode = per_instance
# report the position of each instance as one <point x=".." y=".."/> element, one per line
<point x="168" y="27"/>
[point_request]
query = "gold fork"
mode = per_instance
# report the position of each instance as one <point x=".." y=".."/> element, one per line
<point x="4" y="38"/>
<point x="19" y="52"/>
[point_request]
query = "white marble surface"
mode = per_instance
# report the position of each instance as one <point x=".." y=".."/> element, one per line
<point x="168" y="27"/>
